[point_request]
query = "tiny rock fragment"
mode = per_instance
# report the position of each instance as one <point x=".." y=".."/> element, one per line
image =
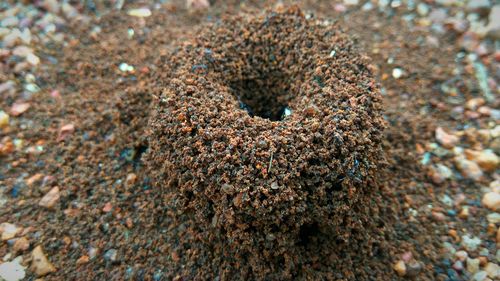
<point x="486" y="159"/>
<point x="351" y="2"/>
<point x="65" y="132"/>
<point x="464" y="213"/>
<point x="22" y="244"/>
<point x="33" y="179"/>
<point x="40" y="265"/>
<point x="400" y="268"/>
<point x="19" y="108"/>
<point x="493" y="270"/>
<point x="83" y="260"/>
<point x="140" y="12"/>
<point x="470" y="243"/>
<point x="480" y="276"/>
<point x="478" y="6"/>
<point x="33" y="59"/>
<point x="407" y="256"/>
<point x="458" y="266"/>
<point x="274" y="185"/>
<point x="67" y="240"/>
<point x="397" y="73"/>
<point x="129" y="223"/>
<point x="493" y="27"/>
<point x="111" y="255"/>
<point x="438" y="216"/>
<point x="197" y="4"/>
<point x="474" y="103"/>
<point x="445" y="139"/>
<point x="50" y="199"/>
<point x="22" y="51"/>
<point x="493" y="218"/>
<point x="9" y="230"/>
<point x="125" y="67"/>
<point x="131" y="179"/>
<point x="461" y="255"/>
<point x="472" y="265"/>
<point x="175" y="256"/>
<point x="469" y="169"/>
<point x="12" y="271"/>
<point x="51" y="6"/>
<point x="4" y="119"/>
<point x="491" y="200"/>
<point x="107" y="207"/>
<point x="439" y="173"/>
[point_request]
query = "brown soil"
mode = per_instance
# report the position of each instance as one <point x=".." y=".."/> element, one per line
<point x="148" y="225"/>
<point x="275" y="199"/>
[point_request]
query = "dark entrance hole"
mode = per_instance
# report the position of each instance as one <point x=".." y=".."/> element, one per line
<point x="266" y="96"/>
<point x="308" y="233"/>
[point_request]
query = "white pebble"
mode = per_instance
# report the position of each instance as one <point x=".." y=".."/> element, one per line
<point x="479" y="276"/>
<point x="470" y="243"/>
<point x="12" y="271"/>
<point x="140" y="13"/>
<point x="491" y="200"/>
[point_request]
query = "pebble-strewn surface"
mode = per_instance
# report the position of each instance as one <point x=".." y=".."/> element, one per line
<point x="75" y="202"/>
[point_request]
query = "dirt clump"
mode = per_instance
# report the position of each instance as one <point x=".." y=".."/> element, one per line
<point x="266" y="138"/>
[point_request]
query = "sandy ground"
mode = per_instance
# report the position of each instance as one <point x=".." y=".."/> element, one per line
<point x="77" y="202"/>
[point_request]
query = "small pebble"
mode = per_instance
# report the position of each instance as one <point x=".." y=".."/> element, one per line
<point x="479" y="276"/>
<point x="40" y="265"/>
<point x="461" y="255"/>
<point x="438" y="216"/>
<point x="440" y="173"/>
<point x="92" y="252"/>
<point x="351" y="2"/>
<point x="140" y="13"/>
<point x="407" y="256"/>
<point x="470" y="243"/>
<point x="468" y="169"/>
<point x="474" y="103"/>
<point x="19" y="108"/>
<point x="486" y="159"/>
<point x="397" y="73"/>
<point x="197" y="4"/>
<point x="423" y="9"/>
<point x="493" y="218"/>
<point x="22" y="51"/>
<point x="124" y="67"/>
<point x="131" y="179"/>
<point x="493" y="270"/>
<point x="464" y="213"/>
<point x="111" y="255"/>
<point x="491" y="200"/>
<point x="400" y="268"/>
<point x="458" y="266"/>
<point x="83" y="260"/>
<point x="33" y="59"/>
<point x="9" y="231"/>
<point x="13" y="270"/>
<point x="445" y="139"/>
<point x="65" y="132"/>
<point x="472" y="265"/>
<point x="50" y="199"/>
<point x="4" y="119"/>
<point x="107" y="207"/>
<point x="22" y="244"/>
